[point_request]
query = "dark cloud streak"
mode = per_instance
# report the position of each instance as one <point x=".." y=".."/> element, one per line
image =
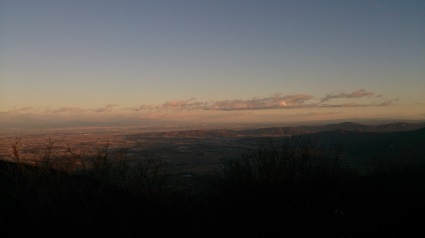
<point x="273" y="102"/>
<point x="356" y="94"/>
<point x="276" y="101"/>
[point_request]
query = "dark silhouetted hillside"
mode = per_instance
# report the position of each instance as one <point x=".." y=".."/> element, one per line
<point x="296" y="130"/>
<point x="391" y="144"/>
<point x="288" y="188"/>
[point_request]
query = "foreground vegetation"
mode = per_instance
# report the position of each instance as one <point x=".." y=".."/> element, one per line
<point x="287" y="187"/>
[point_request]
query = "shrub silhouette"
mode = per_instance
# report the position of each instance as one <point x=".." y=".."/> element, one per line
<point x="285" y="162"/>
<point x="285" y="184"/>
<point x="286" y="187"/>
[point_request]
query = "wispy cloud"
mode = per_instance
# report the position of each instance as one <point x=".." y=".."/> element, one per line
<point x="70" y="110"/>
<point x="26" y="108"/>
<point x="189" y="104"/>
<point x="257" y="109"/>
<point x="107" y="108"/>
<point x="356" y="94"/>
<point x="141" y="108"/>
<point x="274" y="102"/>
<point x="386" y="103"/>
<point x="352" y="104"/>
<point x="310" y="114"/>
<point x="79" y="110"/>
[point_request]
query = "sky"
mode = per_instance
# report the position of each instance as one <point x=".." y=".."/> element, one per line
<point x="199" y="61"/>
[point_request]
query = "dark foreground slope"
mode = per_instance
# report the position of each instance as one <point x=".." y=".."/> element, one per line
<point x="283" y="189"/>
<point x="402" y="145"/>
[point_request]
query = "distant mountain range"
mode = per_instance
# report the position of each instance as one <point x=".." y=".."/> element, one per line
<point x="296" y="130"/>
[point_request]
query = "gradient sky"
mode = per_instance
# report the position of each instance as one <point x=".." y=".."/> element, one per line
<point x="213" y="61"/>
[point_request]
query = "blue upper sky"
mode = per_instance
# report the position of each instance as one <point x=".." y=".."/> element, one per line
<point x="142" y="54"/>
